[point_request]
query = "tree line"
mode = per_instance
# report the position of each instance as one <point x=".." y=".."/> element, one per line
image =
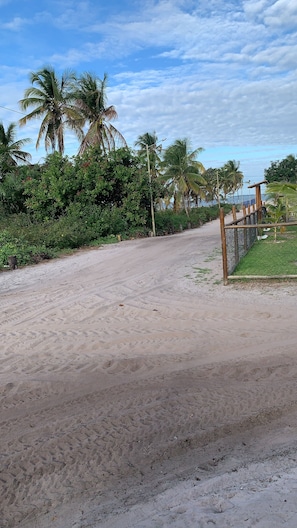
<point x="107" y="189"/>
<point x="79" y="103"/>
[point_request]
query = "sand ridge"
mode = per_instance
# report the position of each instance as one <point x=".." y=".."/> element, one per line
<point x="137" y="390"/>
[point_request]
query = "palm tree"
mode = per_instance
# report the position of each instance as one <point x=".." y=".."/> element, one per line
<point x="11" y="152"/>
<point x="91" y="103"/>
<point x="148" y="151"/>
<point x="212" y="187"/>
<point x="183" y="172"/>
<point x="148" y="146"/>
<point x="276" y="213"/>
<point x="53" y="101"/>
<point x="284" y="193"/>
<point x="232" y="177"/>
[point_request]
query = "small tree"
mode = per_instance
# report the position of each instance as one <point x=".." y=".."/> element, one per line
<point x="276" y="214"/>
<point x="281" y="202"/>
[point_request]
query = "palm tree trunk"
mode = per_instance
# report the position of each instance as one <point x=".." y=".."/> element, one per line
<point x="185" y="206"/>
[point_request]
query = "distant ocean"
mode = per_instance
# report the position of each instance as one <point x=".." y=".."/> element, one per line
<point x="245" y="199"/>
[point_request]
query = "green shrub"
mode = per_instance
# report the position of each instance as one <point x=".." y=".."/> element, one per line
<point x="169" y="221"/>
<point x="24" y="252"/>
<point x="88" y="224"/>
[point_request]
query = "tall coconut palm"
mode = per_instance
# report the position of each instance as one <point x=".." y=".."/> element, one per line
<point x="232" y="177"/>
<point x="149" y="151"/>
<point x="91" y="102"/>
<point x="183" y="173"/>
<point x="149" y="139"/>
<point x="212" y="187"/>
<point x="148" y="146"/>
<point x="53" y="101"/>
<point x="11" y="152"/>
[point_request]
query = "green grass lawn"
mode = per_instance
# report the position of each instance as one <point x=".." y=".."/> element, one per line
<point x="269" y="257"/>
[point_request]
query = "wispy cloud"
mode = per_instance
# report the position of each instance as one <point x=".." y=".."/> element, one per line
<point x="237" y="35"/>
<point x="211" y="113"/>
<point x="221" y="72"/>
<point x="16" y="24"/>
<point x="278" y="14"/>
<point x="67" y="15"/>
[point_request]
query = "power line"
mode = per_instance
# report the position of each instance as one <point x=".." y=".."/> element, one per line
<point x="11" y="110"/>
<point x="251" y="151"/>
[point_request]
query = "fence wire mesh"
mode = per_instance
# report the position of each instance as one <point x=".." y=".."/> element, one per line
<point x="275" y="257"/>
<point x="240" y="240"/>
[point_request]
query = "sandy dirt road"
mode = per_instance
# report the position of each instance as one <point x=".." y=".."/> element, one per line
<point x="138" y="391"/>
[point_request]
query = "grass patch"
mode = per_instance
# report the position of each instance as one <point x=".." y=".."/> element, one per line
<point x="200" y="274"/>
<point x="202" y="271"/>
<point x="269" y="257"/>
<point x="216" y="252"/>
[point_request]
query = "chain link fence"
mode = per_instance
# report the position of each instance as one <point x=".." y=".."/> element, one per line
<point x="237" y="240"/>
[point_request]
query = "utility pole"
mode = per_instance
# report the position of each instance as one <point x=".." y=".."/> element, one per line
<point x="218" y="189"/>
<point x="151" y="192"/>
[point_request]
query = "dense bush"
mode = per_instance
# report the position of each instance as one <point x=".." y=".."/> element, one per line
<point x="66" y="203"/>
<point x="31" y="241"/>
<point x="168" y="221"/>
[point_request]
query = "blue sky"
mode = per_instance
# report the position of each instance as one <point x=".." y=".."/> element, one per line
<point x="222" y="73"/>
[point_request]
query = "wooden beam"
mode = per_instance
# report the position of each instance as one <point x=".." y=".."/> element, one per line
<point x="257" y="277"/>
<point x="243" y="226"/>
<point x="255" y="184"/>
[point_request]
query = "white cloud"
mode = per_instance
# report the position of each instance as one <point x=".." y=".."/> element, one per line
<point x="279" y="57"/>
<point x="67" y="15"/>
<point x="72" y="57"/>
<point x="172" y="34"/>
<point x="276" y="14"/>
<point x="211" y="113"/>
<point x="282" y="13"/>
<point x="16" y="24"/>
<point x="254" y="9"/>
<point x="219" y="72"/>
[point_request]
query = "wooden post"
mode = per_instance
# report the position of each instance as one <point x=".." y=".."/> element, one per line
<point x="244" y="232"/>
<point x="224" y="246"/>
<point x="258" y="206"/>
<point x="234" y="213"/>
<point x="236" y="251"/>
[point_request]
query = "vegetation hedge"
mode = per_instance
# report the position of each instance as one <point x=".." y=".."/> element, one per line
<point x="32" y="241"/>
<point x="169" y="221"/>
<point x="68" y="203"/>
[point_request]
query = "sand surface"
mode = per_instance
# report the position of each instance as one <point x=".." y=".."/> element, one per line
<point x="137" y="391"/>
